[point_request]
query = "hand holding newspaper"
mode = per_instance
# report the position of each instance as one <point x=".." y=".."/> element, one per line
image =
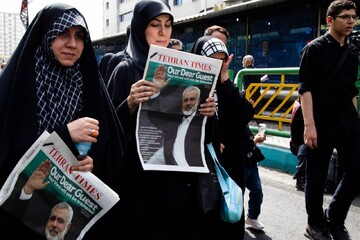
<point x="43" y="185"/>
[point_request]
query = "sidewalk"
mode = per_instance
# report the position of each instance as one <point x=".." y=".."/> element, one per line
<point x="283" y="210"/>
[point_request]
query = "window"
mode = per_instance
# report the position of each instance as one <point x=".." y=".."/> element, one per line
<point x="107" y="5"/>
<point x="177" y="2"/>
<point x="126" y="17"/>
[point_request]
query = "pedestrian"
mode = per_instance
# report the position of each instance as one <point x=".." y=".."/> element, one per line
<point x="328" y="98"/>
<point x="176" y="44"/>
<point x="157" y="204"/>
<point x="248" y="63"/>
<point x="218" y="32"/>
<point x="253" y="156"/>
<point x="228" y="138"/>
<point x="52" y="83"/>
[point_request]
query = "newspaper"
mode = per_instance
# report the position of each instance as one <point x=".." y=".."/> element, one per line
<point x="87" y="195"/>
<point x="170" y="135"/>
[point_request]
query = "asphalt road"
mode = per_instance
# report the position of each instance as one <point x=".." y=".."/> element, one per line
<point x="283" y="210"/>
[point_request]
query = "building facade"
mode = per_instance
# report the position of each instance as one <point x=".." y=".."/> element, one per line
<point x="11" y="32"/>
<point x="273" y="31"/>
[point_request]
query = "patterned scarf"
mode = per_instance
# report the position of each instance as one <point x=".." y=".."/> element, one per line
<point x="211" y="46"/>
<point x="58" y="88"/>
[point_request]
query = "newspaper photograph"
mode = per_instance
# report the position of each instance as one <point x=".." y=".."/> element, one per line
<point x="43" y="189"/>
<point x="170" y="131"/>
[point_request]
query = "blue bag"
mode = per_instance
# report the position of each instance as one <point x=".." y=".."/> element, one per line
<point x="232" y="201"/>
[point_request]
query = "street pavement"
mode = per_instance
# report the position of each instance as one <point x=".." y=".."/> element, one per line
<point x="283" y="210"/>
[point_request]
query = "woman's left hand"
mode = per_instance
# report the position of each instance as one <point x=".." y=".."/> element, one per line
<point x="208" y="108"/>
<point x="86" y="164"/>
<point x="224" y="73"/>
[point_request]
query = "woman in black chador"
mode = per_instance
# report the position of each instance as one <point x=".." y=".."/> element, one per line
<point x="52" y="83"/>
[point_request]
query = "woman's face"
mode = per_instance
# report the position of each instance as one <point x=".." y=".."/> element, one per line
<point x="219" y="55"/>
<point x="68" y="46"/>
<point x="158" y="31"/>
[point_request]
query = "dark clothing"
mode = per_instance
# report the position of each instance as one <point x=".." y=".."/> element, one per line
<point x="109" y="62"/>
<point x="337" y="125"/>
<point x="19" y="120"/>
<point x="232" y="128"/>
<point x="300" y="167"/>
<point x="252" y="178"/>
<point x="249" y="79"/>
<point x="234" y="113"/>
<point x="156" y="204"/>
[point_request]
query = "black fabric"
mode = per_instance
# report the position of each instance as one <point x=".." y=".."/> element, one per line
<point x="326" y="101"/>
<point x="153" y="198"/>
<point x="109" y="62"/>
<point x="253" y="153"/>
<point x="18" y="121"/>
<point x="254" y="156"/>
<point x="296" y="128"/>
<point x="209" y="190"/>
<point x="234" y="113"/>
<point x="248" y="79"/>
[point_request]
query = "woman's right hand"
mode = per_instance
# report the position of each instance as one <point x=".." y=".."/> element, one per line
<point x="140" y="92"/>
<point x="84" y="129"/>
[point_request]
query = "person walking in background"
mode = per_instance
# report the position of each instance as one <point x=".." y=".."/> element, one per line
<point x="248" y="62"/>
<point x="176" y="44"/>
<point x="159" y="204"/>
<point x="51" y="82"/>
<point x="218" y="32"/>
<point x="253" y="156"/>
<point x="330" y="121"/>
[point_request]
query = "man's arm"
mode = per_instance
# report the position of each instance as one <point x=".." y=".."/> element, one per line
<point x="310" y="133"/>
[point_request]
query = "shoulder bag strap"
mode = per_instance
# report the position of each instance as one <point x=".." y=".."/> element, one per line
<point x="223" y="186"/>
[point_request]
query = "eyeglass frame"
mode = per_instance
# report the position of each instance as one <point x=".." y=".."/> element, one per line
<point x="347" y="17"/>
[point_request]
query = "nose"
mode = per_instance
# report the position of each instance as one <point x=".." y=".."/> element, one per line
<point x="71" y="41"/>
<point x="162" y="30"/>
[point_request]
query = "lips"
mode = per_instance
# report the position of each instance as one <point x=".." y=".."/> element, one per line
<point x="69" y="55"/>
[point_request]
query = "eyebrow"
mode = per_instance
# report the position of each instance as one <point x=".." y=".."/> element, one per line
<point x="158" y="20"/>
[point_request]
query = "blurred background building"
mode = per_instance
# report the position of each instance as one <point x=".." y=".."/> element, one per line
<point x="11" y="31"/>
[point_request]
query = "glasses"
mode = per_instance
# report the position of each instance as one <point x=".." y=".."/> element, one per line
<point x="347" y="17"/>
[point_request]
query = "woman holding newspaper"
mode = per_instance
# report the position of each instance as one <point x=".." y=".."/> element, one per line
<point x="232" y="126"/>
<point x="52" y="83"/>
<point x="157" y="204"/>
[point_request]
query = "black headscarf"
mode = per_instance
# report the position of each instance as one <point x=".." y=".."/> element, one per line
<point x="25" y="87"/>
<point x="131" y="69"/>
<point x="144" y="13"/>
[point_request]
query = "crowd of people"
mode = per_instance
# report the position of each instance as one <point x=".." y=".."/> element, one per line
<point x="53" y="83"/>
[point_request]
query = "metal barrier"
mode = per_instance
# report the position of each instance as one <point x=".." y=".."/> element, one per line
<point x="286" y="92"/>
<point x="278" y="95"/>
